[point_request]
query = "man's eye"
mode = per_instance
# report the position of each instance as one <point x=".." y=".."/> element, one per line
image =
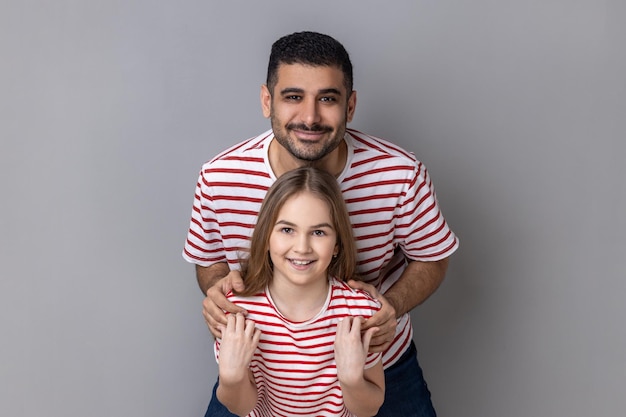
<point x="328" y="99"/>
<point x="292" y="98"/>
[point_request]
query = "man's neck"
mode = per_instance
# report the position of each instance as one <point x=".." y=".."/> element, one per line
<point x="282" y="161"/>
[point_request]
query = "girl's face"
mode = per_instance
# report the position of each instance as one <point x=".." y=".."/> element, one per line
<point x="303" y="241"/>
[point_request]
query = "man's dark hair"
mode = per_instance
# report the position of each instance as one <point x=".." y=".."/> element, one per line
<point x="309" y="48"/>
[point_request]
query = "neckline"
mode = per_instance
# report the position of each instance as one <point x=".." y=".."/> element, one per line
<point x="299" y="324"/>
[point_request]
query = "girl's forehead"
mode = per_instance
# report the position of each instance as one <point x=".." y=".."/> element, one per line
<point x="305" y="207"/>
<point x="306" y="197"/>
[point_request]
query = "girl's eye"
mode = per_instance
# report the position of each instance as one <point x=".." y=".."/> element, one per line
<point x="319" y="233"/>
<point x="286" y="230"/>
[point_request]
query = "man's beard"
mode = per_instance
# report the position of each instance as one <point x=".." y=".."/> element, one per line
<point x="298" y="148"/>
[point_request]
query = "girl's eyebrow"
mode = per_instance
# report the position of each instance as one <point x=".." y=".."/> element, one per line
<point x="321" y="226"/>
<point x="315" y="226"/>
<point x="285" y="222"/>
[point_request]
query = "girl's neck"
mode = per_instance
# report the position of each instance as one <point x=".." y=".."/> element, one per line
<point x="299" y="303"/>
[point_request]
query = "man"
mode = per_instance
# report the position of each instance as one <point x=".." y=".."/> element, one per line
<point x="402" y="238"/>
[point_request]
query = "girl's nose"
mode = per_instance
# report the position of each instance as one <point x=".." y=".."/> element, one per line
<point x="303" y="244"/>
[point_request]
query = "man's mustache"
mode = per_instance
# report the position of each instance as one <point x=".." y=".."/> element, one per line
<point x="313" y="128"/>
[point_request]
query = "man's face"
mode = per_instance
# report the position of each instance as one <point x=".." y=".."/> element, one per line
<point x="308" y="109"/>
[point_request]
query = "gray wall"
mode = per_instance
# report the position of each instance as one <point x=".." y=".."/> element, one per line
<point x="108" y="109"/>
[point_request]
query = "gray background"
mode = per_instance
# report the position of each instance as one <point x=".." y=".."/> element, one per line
<point x="108" y="108"/>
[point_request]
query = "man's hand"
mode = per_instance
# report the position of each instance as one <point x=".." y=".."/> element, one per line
<point x="216" y="303"/>
<point x="385" y="319"/>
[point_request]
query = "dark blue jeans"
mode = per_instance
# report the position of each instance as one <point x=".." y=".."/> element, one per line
<point x="406" y="393"/>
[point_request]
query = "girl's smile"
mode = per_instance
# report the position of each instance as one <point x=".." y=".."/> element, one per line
<point x="302" y="242"/>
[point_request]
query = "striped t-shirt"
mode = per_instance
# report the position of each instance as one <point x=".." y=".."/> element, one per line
<point x="294" y="364"/>
<point x="390" y="198"/>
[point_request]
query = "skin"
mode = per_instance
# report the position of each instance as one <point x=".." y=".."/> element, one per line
<point x="301" y="246"/>
<point x="315" y="98"/>
<point x="309" y="110"/>
<point x="237" y="389"/>
<point x="363" y="389"/>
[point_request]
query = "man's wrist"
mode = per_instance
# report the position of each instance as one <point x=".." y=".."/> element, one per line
<point x="393" y="303"/>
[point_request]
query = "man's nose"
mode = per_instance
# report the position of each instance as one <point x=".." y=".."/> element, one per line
<point x="310" y="114"/>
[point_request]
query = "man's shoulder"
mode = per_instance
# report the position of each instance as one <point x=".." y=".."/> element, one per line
<point x="370" y="145"/>
<point x="241" y="165"/>
<point x="249" y="150"/>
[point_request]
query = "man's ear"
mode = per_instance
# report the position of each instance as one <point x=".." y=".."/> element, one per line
<point x="351" y="106"/>
<point x="266" y="101"/>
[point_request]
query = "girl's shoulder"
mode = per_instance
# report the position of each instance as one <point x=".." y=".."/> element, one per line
<point x="351" y="297"/>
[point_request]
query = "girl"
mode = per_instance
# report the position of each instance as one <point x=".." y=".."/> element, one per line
<point x="300" y="350"/>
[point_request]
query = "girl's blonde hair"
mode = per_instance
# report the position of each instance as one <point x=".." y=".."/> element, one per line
<point x="257" y="269"/>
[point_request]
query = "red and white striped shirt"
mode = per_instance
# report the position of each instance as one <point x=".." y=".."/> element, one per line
<point x="390" y="197"/>
<point x="294" y="364"/>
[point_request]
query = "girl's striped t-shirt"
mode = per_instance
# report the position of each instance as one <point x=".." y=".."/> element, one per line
<point x="294" y="365"/>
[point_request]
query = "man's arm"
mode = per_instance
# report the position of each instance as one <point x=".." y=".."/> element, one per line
<point x="207" y="276"/>
<point x="418" y="282"/>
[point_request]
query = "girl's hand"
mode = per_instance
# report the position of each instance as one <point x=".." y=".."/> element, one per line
<point x="240" y="339"/>
<point x="351" y="349"/>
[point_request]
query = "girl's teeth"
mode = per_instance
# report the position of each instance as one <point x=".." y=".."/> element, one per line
<point x="301" y="262"/>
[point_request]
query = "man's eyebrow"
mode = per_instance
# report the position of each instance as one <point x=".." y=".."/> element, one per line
<point x="329" y="91"/>
<point x="291" y="90"/>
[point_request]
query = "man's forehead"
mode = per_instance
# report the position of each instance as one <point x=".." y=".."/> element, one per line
<point x="331" y="76"/>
